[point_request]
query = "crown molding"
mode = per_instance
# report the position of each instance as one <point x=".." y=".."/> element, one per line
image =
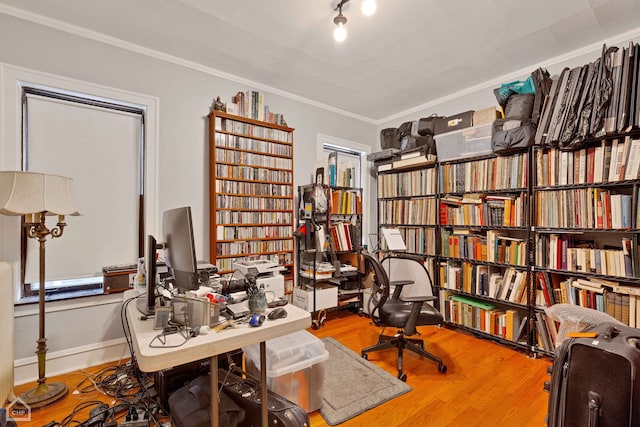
<point x="116" y="42"/>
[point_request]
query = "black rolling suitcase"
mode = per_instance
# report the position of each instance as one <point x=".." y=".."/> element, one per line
<point x="594" y="380"/>
<point x="246" y="394"/>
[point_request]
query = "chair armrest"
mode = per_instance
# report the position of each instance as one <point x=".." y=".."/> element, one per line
<point x="401" y="282"/>
<point x="398" y="285"/>
<point x="423" y="298"/>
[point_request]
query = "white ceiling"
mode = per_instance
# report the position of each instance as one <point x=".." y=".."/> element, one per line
<point x="409" y="53"/>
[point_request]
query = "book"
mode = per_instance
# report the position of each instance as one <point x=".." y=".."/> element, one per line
<point x="633" y="161"/>
<point x="426" y="159"/>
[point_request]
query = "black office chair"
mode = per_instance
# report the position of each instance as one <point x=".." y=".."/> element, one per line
<point x="403" y="313"/>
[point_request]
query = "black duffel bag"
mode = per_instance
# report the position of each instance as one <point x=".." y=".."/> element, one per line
<point x="427" y="125"/>
<point x="390" y="138"/>
<point x="410" y="143"/>
<point x="511" y="135"/>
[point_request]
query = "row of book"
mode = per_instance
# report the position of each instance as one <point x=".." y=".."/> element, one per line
<point x="252" y="159"/>
<point x="254" y="247"/>
<point x="494" y="246"/>
<point x="229" y="217"/>
<point x="421" y="182"/>
<point x="250" y="173"/>
<point x="345" y="202"/>
<point x="484" y="210"/>
<point x="223" y="124"/>
<point x="481" y="316"/>
<point x="419" y="211"/>
<point x="341" y="173"/>
<point x="497" y="173"/>
<point x="418" y="240"/>
<point x="250" y="232"/>
<point x="224" y="201"/>
<point x="565" y="252"/>
<point x="344" y="236"/>
<point x="507" y="285"/>
<point x="611" y="161"/>
<point x="226" y="140"/>
<point x="251" y="104"/>
<point x="586" y="208"/>
<point x="255" y="188"/>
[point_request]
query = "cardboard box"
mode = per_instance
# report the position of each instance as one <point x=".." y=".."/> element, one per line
<point x="485" y="116"/>
<point x="326" y="297"/>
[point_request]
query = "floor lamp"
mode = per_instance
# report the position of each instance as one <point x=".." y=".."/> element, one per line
<point x="35" y="196"/>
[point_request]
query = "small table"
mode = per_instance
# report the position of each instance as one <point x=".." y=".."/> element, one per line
<point x="211" y="345"/>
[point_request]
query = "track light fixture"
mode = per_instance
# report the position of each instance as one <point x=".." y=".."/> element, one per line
<point x="340" y="32"/>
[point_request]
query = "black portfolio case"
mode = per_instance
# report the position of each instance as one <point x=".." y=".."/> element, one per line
<point x="595" y="380"/>
<point x="455" y="122"/>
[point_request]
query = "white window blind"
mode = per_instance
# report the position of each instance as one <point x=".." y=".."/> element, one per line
<point x="102" y="150"/>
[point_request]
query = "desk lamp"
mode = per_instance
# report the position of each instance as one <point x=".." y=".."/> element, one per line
<point x="34" y="196"/>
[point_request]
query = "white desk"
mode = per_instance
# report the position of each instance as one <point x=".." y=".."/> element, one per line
<point x="211" y="345"/>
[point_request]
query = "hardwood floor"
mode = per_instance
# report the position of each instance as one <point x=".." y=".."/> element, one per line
<point x="486" y="384"/>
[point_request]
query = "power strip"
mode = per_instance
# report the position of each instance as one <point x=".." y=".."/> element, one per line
<point x="140" y="422"/>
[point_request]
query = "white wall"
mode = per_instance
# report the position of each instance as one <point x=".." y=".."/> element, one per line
<point x="185" y="94"/>
<point x="481" y="96"/>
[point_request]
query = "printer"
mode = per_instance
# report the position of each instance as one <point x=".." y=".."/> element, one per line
<point x="268" y="276"/>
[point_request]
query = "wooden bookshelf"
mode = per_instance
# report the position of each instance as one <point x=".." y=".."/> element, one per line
<point x="251" y="191"/>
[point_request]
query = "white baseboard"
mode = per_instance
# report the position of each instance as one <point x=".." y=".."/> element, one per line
<point x="62" y="362"/>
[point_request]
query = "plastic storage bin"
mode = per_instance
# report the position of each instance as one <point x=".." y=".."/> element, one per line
<point x="469" y="142"/>
<point x="295" y="368"/>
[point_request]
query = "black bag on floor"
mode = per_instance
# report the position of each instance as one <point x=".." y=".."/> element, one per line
<point x="595" y="380"/>
<point x="191" y="406"/>
<point x="246" y="393"/>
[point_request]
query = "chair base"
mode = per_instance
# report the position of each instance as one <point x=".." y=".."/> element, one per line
<point x="402" y="342"/>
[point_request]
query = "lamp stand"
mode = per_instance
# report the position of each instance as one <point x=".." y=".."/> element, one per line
<point x="44" y="393"/>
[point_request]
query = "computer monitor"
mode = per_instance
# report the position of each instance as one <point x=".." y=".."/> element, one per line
<point x="179" y="248"/>
<point x="147" y="306"/>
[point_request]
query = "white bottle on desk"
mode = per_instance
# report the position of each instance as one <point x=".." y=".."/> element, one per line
<point x="140" y="282"/>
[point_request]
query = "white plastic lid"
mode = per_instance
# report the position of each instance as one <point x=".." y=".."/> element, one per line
<point x="289" y="353"/>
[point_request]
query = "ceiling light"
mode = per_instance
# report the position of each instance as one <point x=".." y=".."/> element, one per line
<point x="340" y="32"/>
<point x="369" y="7"/>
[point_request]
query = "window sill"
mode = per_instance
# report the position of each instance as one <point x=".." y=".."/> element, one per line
<point x="61" y="296"/>
<point x="67" y="301"/>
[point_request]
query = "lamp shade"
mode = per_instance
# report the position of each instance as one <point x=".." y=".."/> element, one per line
<point x="24" y="193"/>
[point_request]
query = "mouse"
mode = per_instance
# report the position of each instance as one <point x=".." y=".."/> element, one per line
<point x="277" y="313"/>
<point x="256" y="320"/>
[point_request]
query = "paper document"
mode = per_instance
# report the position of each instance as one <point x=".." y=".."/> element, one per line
<point x="394" y="239"/>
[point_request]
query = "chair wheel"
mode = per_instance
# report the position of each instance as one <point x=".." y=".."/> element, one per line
<point x="402" y="377"/>
<point x="442" y="368"/>
<point x="365" y="356"/>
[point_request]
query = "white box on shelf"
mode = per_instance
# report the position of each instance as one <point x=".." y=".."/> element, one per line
<point x="326" y="297"/>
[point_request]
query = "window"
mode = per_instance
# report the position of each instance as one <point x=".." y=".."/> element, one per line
<point x="100" y="143"/>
